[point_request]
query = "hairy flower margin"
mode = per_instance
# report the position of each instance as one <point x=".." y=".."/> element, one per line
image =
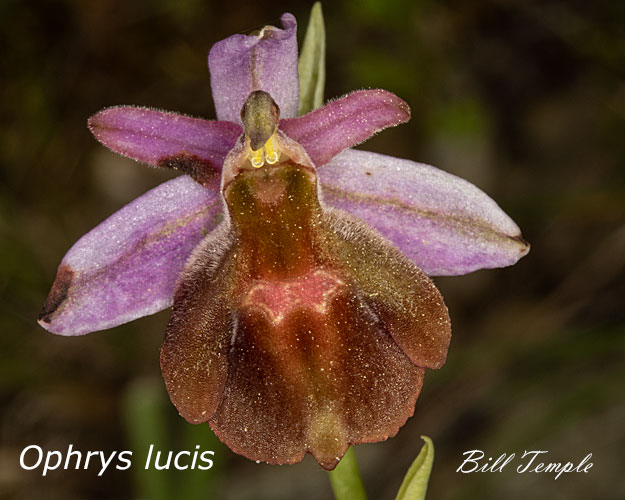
<point x="296" y="327"/>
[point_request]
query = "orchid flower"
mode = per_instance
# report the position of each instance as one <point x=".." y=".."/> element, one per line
<point x="298" y="269"/>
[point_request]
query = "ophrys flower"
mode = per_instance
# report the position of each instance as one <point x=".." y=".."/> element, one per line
<point x="296" y="327"/>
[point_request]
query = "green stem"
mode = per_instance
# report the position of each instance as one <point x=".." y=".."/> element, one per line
<point x="345" y="479"/>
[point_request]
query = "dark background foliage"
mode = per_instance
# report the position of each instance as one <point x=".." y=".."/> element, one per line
<point x="524" y="98"/>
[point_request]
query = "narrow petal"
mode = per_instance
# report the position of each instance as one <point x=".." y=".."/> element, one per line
<point x="345" y="122"/>
<point x="265" y="61"/>
<point x="194" y="146"/>
<point x="127" y="267"/>
<point x="445" y="224"/>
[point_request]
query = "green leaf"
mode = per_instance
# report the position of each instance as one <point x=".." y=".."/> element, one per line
<point x="345" y="479"/>
<point x="415" y="483"/>
<point x="144" y="415"/>
<point x="199" y="484"/>
<point x="312" y="63"/>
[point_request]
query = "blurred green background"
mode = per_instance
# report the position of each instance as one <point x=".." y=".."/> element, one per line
<point x="524" y="98"/>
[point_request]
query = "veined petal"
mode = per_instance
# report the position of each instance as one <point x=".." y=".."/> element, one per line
<point x="345" y="122"/>
<point x="128" y="266"/>
<point x="445" y="224"/>
<point x="266" y="61"/>
<point x="194" y="146"/>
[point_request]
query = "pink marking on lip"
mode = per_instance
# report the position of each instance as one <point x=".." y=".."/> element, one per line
<point x="277" y="299"/>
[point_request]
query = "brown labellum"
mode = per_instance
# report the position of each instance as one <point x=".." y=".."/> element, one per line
<point x="298" y="329"/>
